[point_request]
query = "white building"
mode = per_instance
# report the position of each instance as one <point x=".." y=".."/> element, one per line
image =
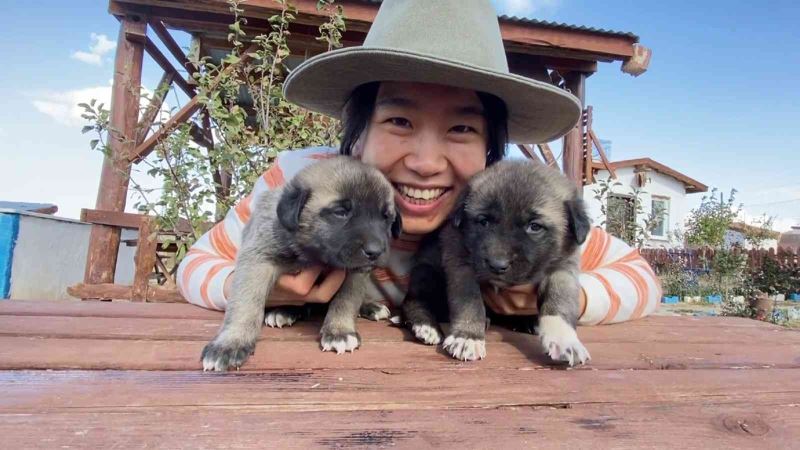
<point x="660" y="187"/>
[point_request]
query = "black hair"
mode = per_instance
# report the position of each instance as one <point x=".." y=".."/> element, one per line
<point x="361" y="104"/>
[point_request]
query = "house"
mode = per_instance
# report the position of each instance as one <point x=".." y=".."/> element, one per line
<point x="661" y="190"/>
<point x="737" y="232"/>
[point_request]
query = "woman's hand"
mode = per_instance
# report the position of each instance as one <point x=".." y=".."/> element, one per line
<point x="302" y="287"/>
<point x="513" y="301"/>
<point x="518" y="300"/>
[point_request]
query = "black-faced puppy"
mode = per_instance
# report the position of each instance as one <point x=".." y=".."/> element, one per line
<point x="337" y="212"/>
<point x="517" y="223"/>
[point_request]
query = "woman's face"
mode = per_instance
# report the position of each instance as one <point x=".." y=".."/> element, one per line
<point x="428" y="140"/>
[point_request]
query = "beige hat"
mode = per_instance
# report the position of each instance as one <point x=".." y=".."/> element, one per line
<point x="450" y="42"/>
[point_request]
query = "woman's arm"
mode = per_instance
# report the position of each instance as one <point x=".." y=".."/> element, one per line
<point x="204" y="275"/>
<point x="617" y="285"/>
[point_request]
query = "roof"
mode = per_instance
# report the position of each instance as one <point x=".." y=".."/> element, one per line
<point x="692" y="185"/>
<point x="41" y="208"/>
<point x="744" y="228"/>
<point x="554" y="25"/>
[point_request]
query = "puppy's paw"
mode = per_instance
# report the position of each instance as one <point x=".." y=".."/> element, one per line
<point x="560" y="341"/>
<point x="427" y="334"/>
<point x="339" y="342"/>
<point x="374" y="311"/>
<point x="465" y="347"/>
<point x="281" y="317"/>
<point x="221" y="354"/>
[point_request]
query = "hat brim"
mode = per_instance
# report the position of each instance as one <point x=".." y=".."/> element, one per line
<point x="538" y="112"/>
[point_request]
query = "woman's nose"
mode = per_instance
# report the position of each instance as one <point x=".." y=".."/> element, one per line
<point x="427" y="158"/>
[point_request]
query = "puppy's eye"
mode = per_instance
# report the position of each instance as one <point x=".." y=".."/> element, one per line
<point x="341" y="211"/>
<point x="534" y="227"/>
<point x="387" y="215"/>
<point x="482" y="221"/>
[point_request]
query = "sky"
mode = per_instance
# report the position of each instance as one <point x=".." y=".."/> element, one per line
<point x="718" y="103"/>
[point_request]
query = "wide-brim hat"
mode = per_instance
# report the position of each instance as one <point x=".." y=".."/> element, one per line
<point x="450" y="42"/>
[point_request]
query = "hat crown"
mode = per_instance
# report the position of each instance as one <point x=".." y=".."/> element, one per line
<point x="461" y="30"/>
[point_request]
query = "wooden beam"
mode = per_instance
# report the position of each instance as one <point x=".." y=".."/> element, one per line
<point x="606" y="163"/>
<point x="167" y="66"/>
<point x="528" y="152"/>
<point x="170" y="43"/>
<point x="150" y="113"/>
<point x="101" y="258"/>
<point x="573" y="142"/>
<point x="145" y="258"/>
<point x="588" y="172"/>
<point x="130" y="221"/>
<point x="183" y="114"/>
<point x="525" y="37"/>
<point x="547" y="154"/>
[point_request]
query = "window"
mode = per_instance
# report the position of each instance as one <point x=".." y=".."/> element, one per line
<point x="660" y="215"/>
<point x="621" y="217"/>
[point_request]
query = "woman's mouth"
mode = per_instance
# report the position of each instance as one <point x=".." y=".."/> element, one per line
<point x="416" y="200"/>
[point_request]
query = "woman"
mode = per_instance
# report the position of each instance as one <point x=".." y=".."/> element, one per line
<point x="429" y="101"/>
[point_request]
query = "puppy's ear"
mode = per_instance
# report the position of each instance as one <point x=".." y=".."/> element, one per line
<point x="291" y="204"/>
<point x="579" y="223"/>
<point x="397" y="225"/>
<point x="458" y="214"/>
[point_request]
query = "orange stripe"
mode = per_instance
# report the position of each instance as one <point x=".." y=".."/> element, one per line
<point x="210" y="276"/>
<point x="243" y="209"/>
<point x="322" y="155"/>
<point x="612" y="294"/>
<point x="193" y="264"/>
<point x="274" y="176"/>
<point x="642" y="290"/>
<point x="221" y="242"/>
<point x="632" y="256"/>
<point x="595" y="251"/>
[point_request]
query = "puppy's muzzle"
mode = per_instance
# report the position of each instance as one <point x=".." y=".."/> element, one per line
<point x="373" y="249"/>
<point x="498" y="266"/>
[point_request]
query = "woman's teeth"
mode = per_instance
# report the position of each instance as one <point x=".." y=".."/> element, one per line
<point x="420" y="194"/>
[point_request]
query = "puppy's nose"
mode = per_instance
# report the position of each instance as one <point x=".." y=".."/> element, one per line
<point x="498" y="266"/>
<point x="372" y="250"/>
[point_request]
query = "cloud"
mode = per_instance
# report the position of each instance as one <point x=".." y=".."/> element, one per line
<point x="63" y="106"/>
<point x="526" y="8"/>
<point x="99" y="47"/>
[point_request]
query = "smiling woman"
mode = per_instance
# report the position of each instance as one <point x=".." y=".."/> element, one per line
<point x="429" y="101"/>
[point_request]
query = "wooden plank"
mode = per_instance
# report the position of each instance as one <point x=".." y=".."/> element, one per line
<point x="151" y="112"/>
<point x="126" y="354"/>
<point x="144" y="259"/>
<point x="528" y="153"/>
<point x="36" y="308"/>
<point x="110" y="291"/>
<point x="571" y="162"/>
<point x="602" y="151"/>
<point x="697" y="426"/>
<point x="101" y="259"/>
<point x="160" y="59"/>
<point x="547" y="154"/>
<point x="127" y="220"/>
<point x="201" y="328"/>
<point x="354" y="390"/>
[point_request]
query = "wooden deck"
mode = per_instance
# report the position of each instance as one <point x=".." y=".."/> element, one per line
<point x="123" y="375"/>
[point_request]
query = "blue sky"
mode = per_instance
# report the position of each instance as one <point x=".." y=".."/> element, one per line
<point x="719" y="103"/>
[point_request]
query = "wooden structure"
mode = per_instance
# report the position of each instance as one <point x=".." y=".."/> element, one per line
<point x="563" y="54"/>
<point x="121" y="375"/>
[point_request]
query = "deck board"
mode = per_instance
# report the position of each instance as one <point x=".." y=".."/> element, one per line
<point x="124" y="375"/>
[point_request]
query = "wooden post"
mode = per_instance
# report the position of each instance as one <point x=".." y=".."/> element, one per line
<point x="572" y="161"/>
<point x="101" y="260"/>
<point x="145" y="258"/>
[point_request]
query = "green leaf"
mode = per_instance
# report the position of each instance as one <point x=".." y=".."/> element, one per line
<point x="93" y="143"/>
<point x="87" y="129"/>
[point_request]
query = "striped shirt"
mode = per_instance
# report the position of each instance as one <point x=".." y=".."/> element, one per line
<point x="618" y="283"/>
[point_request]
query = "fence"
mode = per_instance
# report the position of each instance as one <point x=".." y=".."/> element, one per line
<point x="699" y="260"/>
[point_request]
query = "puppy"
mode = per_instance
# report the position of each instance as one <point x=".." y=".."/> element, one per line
<point x="516" y="223"/>
<point x="337" y="212"/>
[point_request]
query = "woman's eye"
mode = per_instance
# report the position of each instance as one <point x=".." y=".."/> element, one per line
<point x="534" y="227"/>
<point x="399" y="122"/>
<point x="463" y="129"/>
